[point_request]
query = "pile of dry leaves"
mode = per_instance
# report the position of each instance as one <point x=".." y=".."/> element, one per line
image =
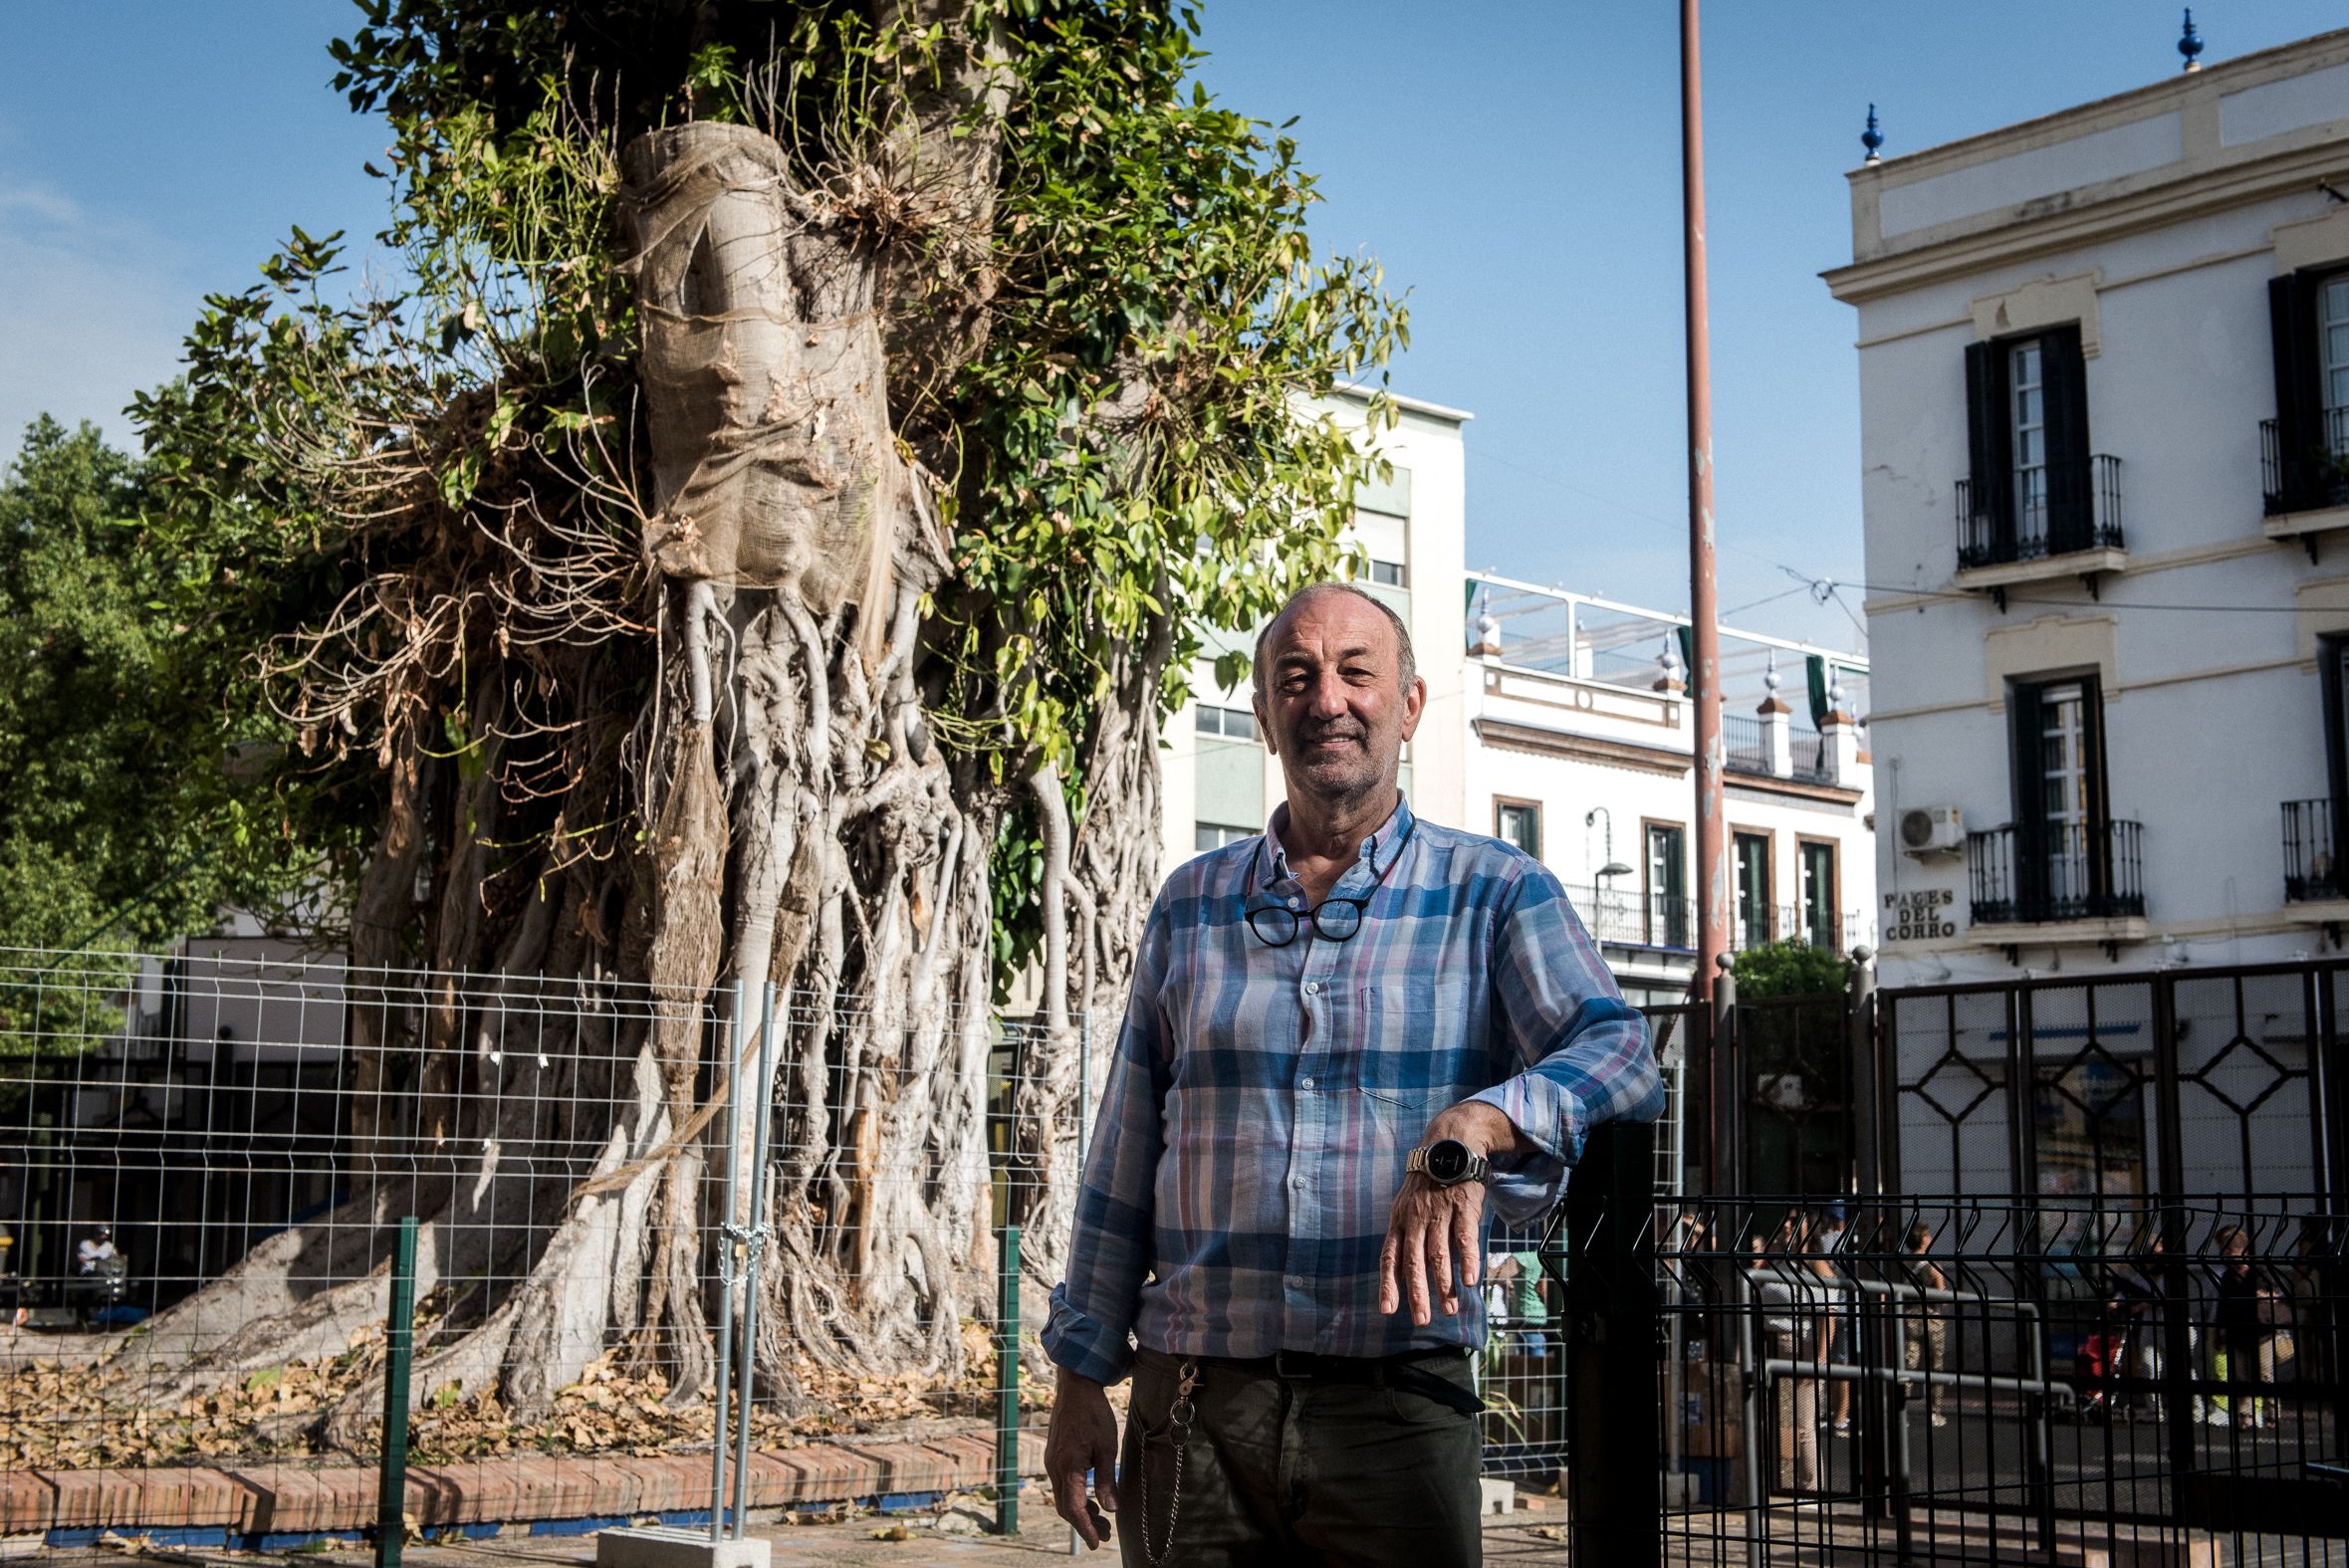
<point x="56" y="1415"/>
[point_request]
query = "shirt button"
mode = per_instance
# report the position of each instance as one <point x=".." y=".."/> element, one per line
<point x="1312" y="988"/>
<point x="1297" y="1182"/>
<point x="1296" y="1283"/>
<point x="1304" y="1083"/>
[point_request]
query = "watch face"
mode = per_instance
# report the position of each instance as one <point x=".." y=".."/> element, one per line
<point x="1447" y="1160"/>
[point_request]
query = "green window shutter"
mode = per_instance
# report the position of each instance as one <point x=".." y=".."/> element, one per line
<point x="1688" y="656"/>
<point x="1814" y="670"/>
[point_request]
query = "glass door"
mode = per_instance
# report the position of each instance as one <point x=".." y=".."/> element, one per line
<point x="1667" y="878"/>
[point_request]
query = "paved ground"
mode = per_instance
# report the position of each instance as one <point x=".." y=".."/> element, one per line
<point x="956" y="1533"/>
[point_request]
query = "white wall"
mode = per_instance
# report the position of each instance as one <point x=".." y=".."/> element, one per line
<point x="2212" y="718"/>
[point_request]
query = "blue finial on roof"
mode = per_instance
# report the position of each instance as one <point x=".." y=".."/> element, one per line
<point x="2189" y="43"/>
<point x="1871" y="138"/>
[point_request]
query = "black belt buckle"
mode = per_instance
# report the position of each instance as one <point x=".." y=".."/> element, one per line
<point x="1288" y="1364"/>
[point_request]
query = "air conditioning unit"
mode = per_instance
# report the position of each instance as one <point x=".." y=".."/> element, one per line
<point x="1932" y="830"/>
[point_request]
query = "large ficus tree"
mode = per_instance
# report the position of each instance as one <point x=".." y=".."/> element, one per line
<point x="757" y="536"/>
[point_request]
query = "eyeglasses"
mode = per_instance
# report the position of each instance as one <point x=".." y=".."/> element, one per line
<point x="1333" y="919"/>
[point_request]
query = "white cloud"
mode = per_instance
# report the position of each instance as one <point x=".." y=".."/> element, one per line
<point x="91" y="312"/>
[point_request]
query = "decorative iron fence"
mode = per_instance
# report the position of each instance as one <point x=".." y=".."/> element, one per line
<point x="2060" y="509"/>
<point x="2310" y="872"/>
<point x="2056" y="871"/>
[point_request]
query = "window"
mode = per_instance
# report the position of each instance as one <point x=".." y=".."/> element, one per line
<point x="2307" y="458"/>
<point x="2032" y="487"/>
<point x="1519" y="823"/>
<point x="1235" y="723"/>
<point x="1666" y="872"/>
<point x="1821" y="927"/>
<point x="1215" y="835"/>
<point x="1387" y="573"/>
<point x="2332" y="354"/>
<point x="2029" y="412"/>
<point x="1749" y="853"/>
<point x="2063" y="866"/>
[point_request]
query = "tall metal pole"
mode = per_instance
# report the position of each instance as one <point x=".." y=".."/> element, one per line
<point x="1713" y="888"/>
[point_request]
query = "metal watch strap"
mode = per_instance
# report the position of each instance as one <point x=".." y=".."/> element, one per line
<point x="1479" y="1168"/>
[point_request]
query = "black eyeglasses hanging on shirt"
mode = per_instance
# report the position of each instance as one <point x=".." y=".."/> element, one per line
<point x="1334" y="918"/>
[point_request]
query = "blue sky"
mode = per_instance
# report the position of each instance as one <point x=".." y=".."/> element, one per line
<point x="1513" y="164"/>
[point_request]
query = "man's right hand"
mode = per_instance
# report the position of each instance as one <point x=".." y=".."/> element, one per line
<point x="1083" y="1437"/>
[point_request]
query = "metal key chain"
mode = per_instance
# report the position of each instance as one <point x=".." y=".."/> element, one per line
<point x="1178" y="1427"/>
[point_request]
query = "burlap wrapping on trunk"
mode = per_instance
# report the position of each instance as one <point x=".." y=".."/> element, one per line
<point x="764" y="373"/>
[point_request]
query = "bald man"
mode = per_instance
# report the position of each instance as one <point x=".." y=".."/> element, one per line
<point x="1350" y="1040"/>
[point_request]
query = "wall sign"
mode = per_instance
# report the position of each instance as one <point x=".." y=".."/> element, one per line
<point x="1921" y="914"/>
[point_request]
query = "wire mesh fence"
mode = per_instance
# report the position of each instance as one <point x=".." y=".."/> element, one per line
<point x="1984" y="1380"/>
<point x="205" y="1158"/>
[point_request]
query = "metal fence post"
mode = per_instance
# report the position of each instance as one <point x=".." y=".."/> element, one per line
<point x="400" y="1347"/>
<point x="1613" y="1481"/>
<point x="1728" y="1165"/>
<point x="1007" y="1408"/>
<point x="730" y="1045"/>
<point x="763" y="1108"/>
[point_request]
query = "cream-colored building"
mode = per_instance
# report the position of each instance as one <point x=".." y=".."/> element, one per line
<point x="2104" y="374"/>
<point x="1578" y="745"/>
<point x="1550" y="723"/>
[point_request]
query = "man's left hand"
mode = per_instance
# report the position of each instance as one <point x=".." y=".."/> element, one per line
<point x="1434" y="1234"/>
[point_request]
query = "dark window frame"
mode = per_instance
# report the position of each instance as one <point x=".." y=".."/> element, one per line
<point x="1511" y="803"/>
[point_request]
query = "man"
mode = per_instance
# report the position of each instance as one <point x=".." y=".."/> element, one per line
<point x="1340" y="1034"/>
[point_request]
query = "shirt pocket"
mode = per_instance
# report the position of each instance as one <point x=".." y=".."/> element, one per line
<point x="1410" y="1050"/>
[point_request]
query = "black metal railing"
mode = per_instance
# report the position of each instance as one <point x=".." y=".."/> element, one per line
<point x="1622" y="914"/>
<point x="2060" y="510"/>
<point x="1809" y="748"/>
<point x="1986" y="1378"/>
<point x="2056" y="871"/>
<point x="2307" y="481"/>
<point x="1747" y="752"/>
<point x="2309" y="870"/>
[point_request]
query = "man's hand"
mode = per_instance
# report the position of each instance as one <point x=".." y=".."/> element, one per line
<point x="1434" y="1234"/>
<point x="1083" y="1437"/>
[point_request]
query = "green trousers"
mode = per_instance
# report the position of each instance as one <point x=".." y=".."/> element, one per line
<point x="1279" y="1473"/>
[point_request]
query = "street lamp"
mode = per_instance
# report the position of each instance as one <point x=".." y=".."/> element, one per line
<point x="1613" y="866"/>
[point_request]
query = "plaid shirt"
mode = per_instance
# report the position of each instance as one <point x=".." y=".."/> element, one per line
<point x="1255" y="1117"/>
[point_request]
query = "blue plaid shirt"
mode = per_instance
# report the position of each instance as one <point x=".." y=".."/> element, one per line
<point x="1262" y="1099"/>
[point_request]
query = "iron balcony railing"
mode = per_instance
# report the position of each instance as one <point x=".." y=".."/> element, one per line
<point x="1742" y="741"/>
<point x="2060" y="509"/>
<point x="2309" y="870"/>
<point x="1629" y="918"/>
<point x="2308" y="481"/>
<point x="1745" y="751"/>
<point x="2056" y="871"/>
<point x="1810" y="754"/>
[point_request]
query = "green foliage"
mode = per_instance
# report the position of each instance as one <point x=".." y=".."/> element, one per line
<point x="1790" y="967"/>
<point x="121" y="828"/>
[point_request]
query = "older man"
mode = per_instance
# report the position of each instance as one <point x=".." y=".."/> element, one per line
<point x="1341" y="1034"/>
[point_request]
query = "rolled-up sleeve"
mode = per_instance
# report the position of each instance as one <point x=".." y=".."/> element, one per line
<point x="1584" y="1051"/>
<point x="1093" y="1307"/>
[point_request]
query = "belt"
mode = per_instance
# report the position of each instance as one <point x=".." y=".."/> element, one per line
<point x="1411" y="1371"/>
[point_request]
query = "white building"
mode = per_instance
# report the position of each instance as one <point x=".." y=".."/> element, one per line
<point x="2104" y="370"/>
<point x="1219" y="782"/>
<point x="1550" y="723"/>
<point x="1580" y="750"/>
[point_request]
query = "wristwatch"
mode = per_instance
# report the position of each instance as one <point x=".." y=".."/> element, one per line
<point x="1447" y="1163"/>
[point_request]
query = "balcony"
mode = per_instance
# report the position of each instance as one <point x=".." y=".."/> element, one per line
<point x="1745" y="746"/>
<point x="1625" y="917"/>
<point x="2067" y="524"/>
<point x="2075" y="884"/>
<point x="2314" y="891"/>
<point x="1629" y="917"/>
<point x="2305" y="494"/>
